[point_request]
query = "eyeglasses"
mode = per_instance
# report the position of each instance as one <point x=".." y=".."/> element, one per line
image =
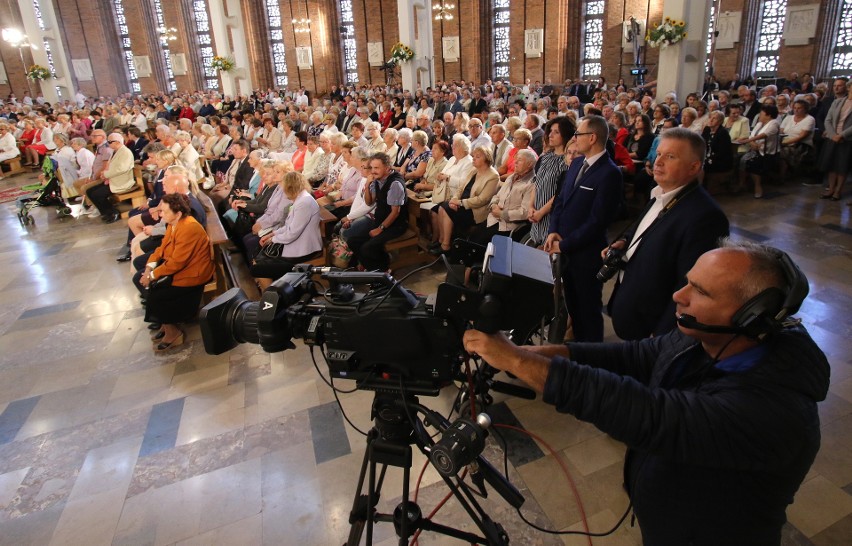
<point x="581" y="134"/>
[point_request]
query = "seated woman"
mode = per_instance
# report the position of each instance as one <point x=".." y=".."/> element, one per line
<point x="720" y="153"/>
<point x="430" y="181"/>
<point x="249" y="207"/>
<point x="298" y="158"/>
<point x="297" y="241"/>
<point x="413" y="169"/>
<point x="41" y="144"/>
<point x="186" y="258"/>
<point x="469" y="206"/>
<point x="28" y="134"/>
<point x="147" y="214"/>
<point x="277" y="209"/>
<point x="340" y="200"/>
<point x="451" y="180"/>
<point x="66" y="160"/>
<point x="8" y="147"/>
<point x="508" y="208"/>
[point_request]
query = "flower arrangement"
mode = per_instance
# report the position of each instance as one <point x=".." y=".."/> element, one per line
<point x="401" y="53"/>
<point x="38" y="72"/>
<point x="668" y="33"/>
<point x="225" y="64"/>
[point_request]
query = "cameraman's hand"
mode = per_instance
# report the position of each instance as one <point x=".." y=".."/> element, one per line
<point x="499" y="352"/>
<point x="551" y="244"/>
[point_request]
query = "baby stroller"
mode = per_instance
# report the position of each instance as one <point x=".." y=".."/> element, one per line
<point x="47" y="195"/>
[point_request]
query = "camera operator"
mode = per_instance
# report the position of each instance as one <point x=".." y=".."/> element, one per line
<point x="587" y="203"/>
<point x="680" y="223"/>
<point x="387" y="191"/>
<point x="721" y="428"/>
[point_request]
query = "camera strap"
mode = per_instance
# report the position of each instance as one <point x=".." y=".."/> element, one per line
<point x="689" y="188"/>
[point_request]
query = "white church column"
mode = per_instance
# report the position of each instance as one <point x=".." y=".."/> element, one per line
<point x="682" y="65"/>
<point x="51" y="35"/>
<point x="238" y="80"/>
<point x="421" y="69"/>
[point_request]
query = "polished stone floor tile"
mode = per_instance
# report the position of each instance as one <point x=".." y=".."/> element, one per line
<point x="328" y="432"/>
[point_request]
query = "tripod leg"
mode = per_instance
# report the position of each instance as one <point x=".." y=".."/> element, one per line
<point x="361" y="508"/>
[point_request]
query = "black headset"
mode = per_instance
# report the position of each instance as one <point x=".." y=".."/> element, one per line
<point x="766" y="312"/>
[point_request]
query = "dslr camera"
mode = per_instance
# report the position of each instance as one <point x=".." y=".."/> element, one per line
<point x="613" y="263"/>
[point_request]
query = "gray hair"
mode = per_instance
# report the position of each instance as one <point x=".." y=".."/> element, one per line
<point x="405" y="133"/>
<point x="765" y="270"/>
<point x="461" y="140"/>
<point x="526" y="153"/>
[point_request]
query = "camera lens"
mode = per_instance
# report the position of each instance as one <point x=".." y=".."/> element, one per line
<point x="229" y="320"/>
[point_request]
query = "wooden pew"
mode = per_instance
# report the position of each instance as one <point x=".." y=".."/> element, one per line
<point x="14" y="167"/>
<point x="136" y="196"/>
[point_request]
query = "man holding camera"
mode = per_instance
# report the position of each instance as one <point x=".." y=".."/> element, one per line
<point x="719" y="415"/>
<point x="680" y="223"/>
<point x="587" y="203"/>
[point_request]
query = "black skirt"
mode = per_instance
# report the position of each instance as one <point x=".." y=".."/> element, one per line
<point x="173" y="304"/>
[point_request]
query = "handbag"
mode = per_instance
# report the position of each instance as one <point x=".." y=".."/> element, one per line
<point x="244" y="223"/>
<point x="271" y="251"/>
<point x="160" y="282"/>
<point x="339" y="253"/>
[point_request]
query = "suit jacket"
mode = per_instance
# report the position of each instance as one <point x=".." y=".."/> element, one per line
<point x="581" y="212"/>
<point x="537" y="143"/>
<point x="833" y="118"/>
<point x="641" y="303"/>
<point x="137" y="147"/>
<point x="120" y="171"/>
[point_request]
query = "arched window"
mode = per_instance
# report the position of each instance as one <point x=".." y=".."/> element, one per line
<point x="347" y="34"/>
<point x="841" y="61"/>
<point x="593" y="19"/>
<point x="501" y="39"/>
<point x="769" y="40"/>
<point x="276" y="41"/>
<point x="124" y="37"/>
<point x="205" y="43"/>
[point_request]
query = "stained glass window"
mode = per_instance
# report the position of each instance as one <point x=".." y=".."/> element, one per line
<point x="347" y="31"/>
<point x="164" y="45"/>
<point x="592" y="39"/>
<point x="205" y="43"/>
<point x="841" y="61"/>
<point x="769" y="40"/>
<point x="40" y="21"/>
<point x="711" y="27"/>
<point x="124" y="36"/>
<point x="501" y="39"/>
<point x="276" y="39"/>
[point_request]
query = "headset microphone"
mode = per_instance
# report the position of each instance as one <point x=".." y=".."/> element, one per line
<point x="688" y="321"/>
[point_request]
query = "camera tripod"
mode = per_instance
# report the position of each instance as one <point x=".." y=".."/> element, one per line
<point x="396" y="428"/>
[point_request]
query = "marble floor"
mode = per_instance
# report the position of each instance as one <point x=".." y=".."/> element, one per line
<point x="104" y="442"/>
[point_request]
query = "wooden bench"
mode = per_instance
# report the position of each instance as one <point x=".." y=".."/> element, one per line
<point x="406" y="250"/>
<point x="135" y="196"/>
<point x="14" y="165"/>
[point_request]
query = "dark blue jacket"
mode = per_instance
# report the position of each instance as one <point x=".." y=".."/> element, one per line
<point x="642" y="304"/>
<point x="713" y="457"/>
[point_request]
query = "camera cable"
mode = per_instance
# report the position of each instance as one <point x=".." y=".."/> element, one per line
<point x="335" y="391"/>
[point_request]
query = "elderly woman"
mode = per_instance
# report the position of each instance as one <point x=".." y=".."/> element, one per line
<point x="521" y="141"/>
<point x="79" y="129"/>
<point x="288" y="136"/>
<point x="297" y="241"/>
<point x="425" y="109"/>
<point x="320" y="161"/>
<point x="460" y="124"/>
<point x="316" y="126"/>
<point x="250" y="206"/>
<point x="340" y="201"/>
<point x="342" y="150"/>
<point x="187" y="156"/>
<point x="375" y="144"/>
<point x="720" y="153"/>
<point x="429" y="181"/>
<point x="219" y="151"/>
<point x="8" y="146"/>
<point x="403" y="148"/>
<point x="67" y="164"/>
<point x="386" y="115"/>
<point x="148" y="214"/>
<point x="42" y="143"/>
<point x="469" y="206"/>
<point x="763" y="142"/>
<point x="508" y="209"/>
<point x="413" y="169"/>
<point x="702" y="117"/>
<point x="62" y="125"/>
<point x="173" y="281"/>
<point x="633" y="110"/>
<point x="84" y="159"/>
<point x="687" y="118"/>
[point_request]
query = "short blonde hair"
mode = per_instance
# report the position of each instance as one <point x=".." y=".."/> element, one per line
<point x="487" y="155"/>
<point x="294" y="183"/>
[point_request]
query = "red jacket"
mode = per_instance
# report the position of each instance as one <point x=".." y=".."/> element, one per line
<point x="187" y="112"/>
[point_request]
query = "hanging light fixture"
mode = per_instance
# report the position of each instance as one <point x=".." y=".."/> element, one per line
<point x="443" y="11"/>
<point x="301" y="25"/>
<point x="167" y="34"/>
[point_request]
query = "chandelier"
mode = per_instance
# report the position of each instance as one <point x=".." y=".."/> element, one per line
<point x="443" y="11"/>
<point x="167" y="34"/>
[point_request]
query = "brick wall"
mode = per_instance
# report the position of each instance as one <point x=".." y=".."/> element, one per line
<point x="88" y="32"/>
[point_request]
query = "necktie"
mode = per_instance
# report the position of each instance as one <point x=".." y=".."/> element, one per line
<point x="583" y="170"/>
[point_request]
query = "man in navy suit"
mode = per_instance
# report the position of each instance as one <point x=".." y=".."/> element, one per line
<point x="681" y="223"/>
<point x="588" y="202"/>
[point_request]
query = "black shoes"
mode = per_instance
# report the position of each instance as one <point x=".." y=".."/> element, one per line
<point x="123" y="254"/>
<point x="113" y="217"/>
